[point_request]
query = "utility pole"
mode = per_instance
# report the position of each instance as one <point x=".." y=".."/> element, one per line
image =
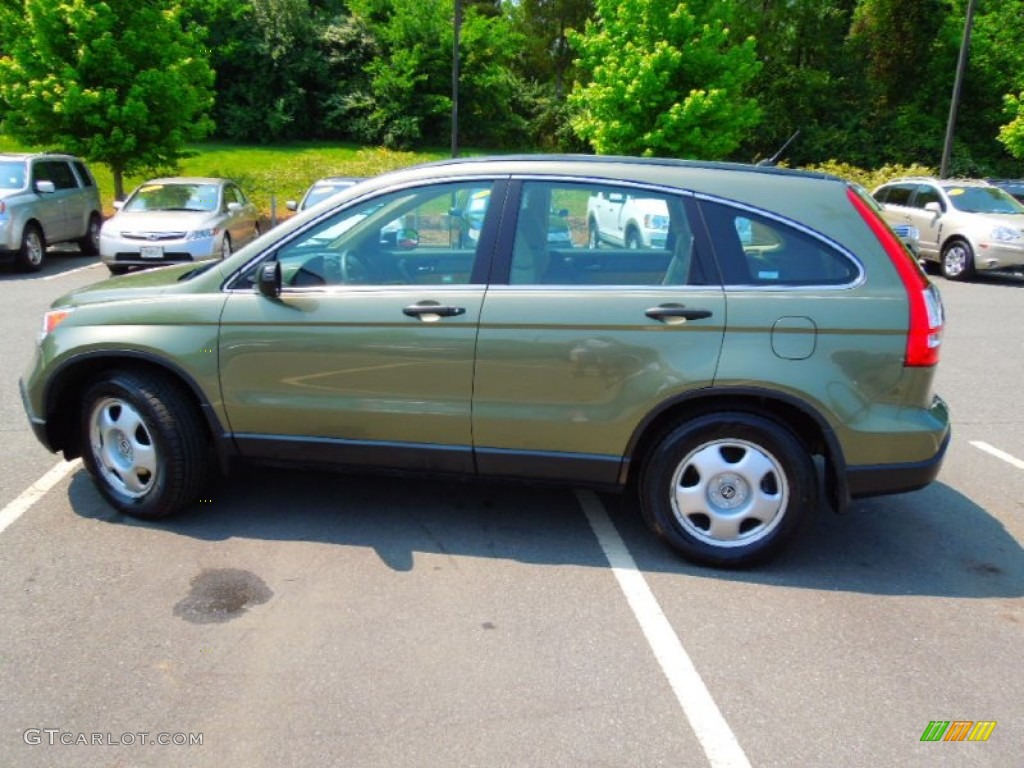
<point x="961" y="67"/>
<point x="455" y="79"/>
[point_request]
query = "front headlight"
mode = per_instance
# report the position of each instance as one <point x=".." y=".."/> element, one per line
<point x="202" y="234"/>
<point x="1006" y="235"/>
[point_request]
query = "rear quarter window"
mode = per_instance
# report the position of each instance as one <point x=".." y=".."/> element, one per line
<point x="757" y="250"/>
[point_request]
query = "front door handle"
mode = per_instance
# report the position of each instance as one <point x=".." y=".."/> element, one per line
<point x="430" y="311"/>
<point x="676" y="314"/>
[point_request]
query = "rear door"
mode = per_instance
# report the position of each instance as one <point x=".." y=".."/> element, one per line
<point x="578" y="345"/>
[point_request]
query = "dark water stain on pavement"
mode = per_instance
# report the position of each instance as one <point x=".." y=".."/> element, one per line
<point x="222" y="594"/>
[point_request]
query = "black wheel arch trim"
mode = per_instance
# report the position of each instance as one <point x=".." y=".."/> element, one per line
<point x="57" y="382"/>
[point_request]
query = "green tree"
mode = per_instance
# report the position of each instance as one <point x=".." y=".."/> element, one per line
<point x="120" y="82"/>
<point x="1011" y="135"/>
<point x="409" y="97"/>
<point x="662" y="83"/>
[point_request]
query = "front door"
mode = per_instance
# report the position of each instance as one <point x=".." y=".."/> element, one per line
<point x="367" y="354"/>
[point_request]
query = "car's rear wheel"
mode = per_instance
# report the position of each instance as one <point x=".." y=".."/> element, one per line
<point x="593" y="238"/>
<point x="728" y="489"/>
<point x="90" y="244"/>
<point x="957" y="260"/>
<point x="33" y="249"/>
<point x="226" y="248"/>
<point x="143" y="444"/>
<point x="632" y="239"/>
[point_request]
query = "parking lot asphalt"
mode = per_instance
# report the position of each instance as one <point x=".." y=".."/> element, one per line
<point x="301" y="618"/>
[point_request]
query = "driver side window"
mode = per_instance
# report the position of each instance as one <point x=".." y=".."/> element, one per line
<point x="421" y="236"/>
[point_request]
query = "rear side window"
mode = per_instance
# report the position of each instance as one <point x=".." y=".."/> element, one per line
<point x="580" y="234"/>
<point x="84" y="175"/>
<point x="756" y="250"/>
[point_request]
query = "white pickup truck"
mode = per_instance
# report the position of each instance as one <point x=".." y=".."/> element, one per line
<point x="626" y="221"/>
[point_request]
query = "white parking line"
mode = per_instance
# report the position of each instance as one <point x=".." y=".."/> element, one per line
<point x="69" y="272"/>
<point x="993" y="451"/>
<point x="36" y="491"/>
<point x="713" y="733"/>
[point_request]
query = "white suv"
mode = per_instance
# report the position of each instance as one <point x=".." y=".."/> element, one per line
<point x="965" y="226"/>
<point x="45" y="199"/>
<point x="626" y="221"/>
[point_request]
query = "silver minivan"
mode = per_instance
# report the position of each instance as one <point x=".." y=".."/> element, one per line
<point x="46" y="198"/>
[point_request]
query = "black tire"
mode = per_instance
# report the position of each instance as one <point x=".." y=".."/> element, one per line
<point x="33" y="249"/>
<point x="114" y="270"/>
<point x="957" y="260"/>
<point x="90" y="244"/>
<point x="593" y="238"/>
<point x="225" y="250"/>
<point x="144" y="444"/>
<point x="632" y="239"/>
<point x="728" y="489"/>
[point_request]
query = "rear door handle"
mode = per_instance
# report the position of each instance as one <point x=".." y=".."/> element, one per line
<point x="676" y="313"/>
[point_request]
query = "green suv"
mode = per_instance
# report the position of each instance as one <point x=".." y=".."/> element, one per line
<point x="774" y="354"/>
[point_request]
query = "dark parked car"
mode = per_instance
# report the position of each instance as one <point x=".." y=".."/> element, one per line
<point x="776" y="353"/>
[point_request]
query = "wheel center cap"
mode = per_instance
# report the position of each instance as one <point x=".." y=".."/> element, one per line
<point x="124" y="448"/>
<point x="728" y="491"/>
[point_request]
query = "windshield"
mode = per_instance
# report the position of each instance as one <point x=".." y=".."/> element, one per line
<point x="174" y="197"/>
<point x="982" y="200"/>
<point x="12" y="175"/>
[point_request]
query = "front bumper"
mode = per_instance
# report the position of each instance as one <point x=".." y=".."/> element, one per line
<point x="38" y="423"/>
<point x="120" y="252"/>
<point x="995" y="255"/>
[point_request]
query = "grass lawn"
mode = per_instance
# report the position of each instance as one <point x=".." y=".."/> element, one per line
<point x="269" y="175"/>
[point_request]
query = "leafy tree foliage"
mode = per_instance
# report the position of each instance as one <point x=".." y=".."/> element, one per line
<point x="662" y="83"/>
<point x="864" y="81"/>
<point x="119" y="82"/>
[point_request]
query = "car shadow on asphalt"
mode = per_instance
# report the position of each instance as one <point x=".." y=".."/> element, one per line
<point x="934" y="542"/>
<point x="59" y="259"/>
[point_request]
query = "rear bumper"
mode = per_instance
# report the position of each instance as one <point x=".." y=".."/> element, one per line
<point x="883" y="479"/>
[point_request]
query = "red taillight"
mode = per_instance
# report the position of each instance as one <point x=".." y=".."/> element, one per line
<point x="926" y="318"/>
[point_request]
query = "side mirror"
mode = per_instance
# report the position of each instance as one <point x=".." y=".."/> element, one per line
<point x="268" y="281"/>
<point x="292" y="205"/>
<point x="45" y="187"/>
<point x="233" y="207"/>
<point x="933" y="207"/>
<point x="118" y="205"/>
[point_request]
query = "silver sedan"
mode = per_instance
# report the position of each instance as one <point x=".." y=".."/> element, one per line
<point x="174" y="220"/>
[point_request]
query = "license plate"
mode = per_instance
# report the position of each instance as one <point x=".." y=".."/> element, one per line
<point x="151" y="252"/>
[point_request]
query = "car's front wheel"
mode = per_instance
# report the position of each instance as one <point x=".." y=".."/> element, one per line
<point x="143" y="443"/>
<point x="226" y="248"/>
<point x="33" y="249"/>
<point x="593" y="237"/>
<point x="957" y="260"/>
<point x="728" y="489"/>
